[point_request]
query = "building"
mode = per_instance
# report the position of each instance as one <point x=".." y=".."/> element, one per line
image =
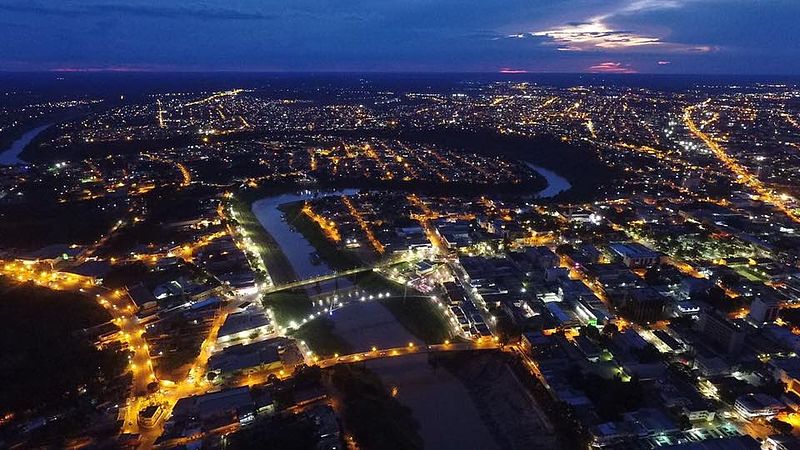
<point x="787" y="371"/>
<point x="455" y="235"/>
<point x="683" y="396"/>
<point x="644" y="305"/>
<point x="636" y="256"/>
<point x="764" y="309"/>
<point x="780" y="442"/>
<point x="234" y="403"/>
<point x="542" y="257"/>
<point x="757" y="405"/>
<point x="727" y="334"/>
<point x="149" y="416"/>
<point x="244" y="325"/>
<point x="239" y="359"/>
<point x="722" y="443"/>
<point x="588" y="349"/>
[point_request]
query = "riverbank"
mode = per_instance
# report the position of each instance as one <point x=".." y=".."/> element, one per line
<point x="278" y="266"/>
<point x="513" y="417"/>
<point x="279" y="225"/>
<point x="10" y="156"/>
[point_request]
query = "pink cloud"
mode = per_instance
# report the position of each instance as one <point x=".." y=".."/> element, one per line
<point x="611" y="67"/>
<point x="512" y="71"/>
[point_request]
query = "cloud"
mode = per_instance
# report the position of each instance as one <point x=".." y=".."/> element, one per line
<point x="151" y="11"/>
<point x="650" y="5"/>
<point x="510" y="71"/>
<point x="611" y="67"/>
<point x="663" y="63"/>
<point x="598" y="36"/>
<point x="595" y="35"/>
<point x="599" y="33"/>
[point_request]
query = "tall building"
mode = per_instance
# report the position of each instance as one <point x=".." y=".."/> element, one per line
<point x="727" y="334"/>
<point x="764" y="309"/>
<point x="644" y="305"/>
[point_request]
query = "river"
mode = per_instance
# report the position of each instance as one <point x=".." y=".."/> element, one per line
<point x="556" y="184"/>
<point x="291" y="242"/>
<point x="10" y="156"/>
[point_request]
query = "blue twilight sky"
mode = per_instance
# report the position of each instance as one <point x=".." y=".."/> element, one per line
<point x="619" y="36"/>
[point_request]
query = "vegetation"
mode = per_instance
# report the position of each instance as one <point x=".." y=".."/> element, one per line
<point x="575" y="161"/>
<point x="336" y="258"/>
<point x="127" y="274"/>
<point x="40" y="222"/>
<point x="568" y="427"/>
<point x="320" y="336"/>
<point x="420" y="317"/>
<point x="611" y="397"/>
<point x="377" y="420"/>
<point x="284" y="432"/>
<point x="46" y="359"/>
<point x="717" y="298"/>
<point x="791" y="315"/>
<point x="375" y="283"/>
<point x="279" y="268"/>
<point x="288" y="306"/>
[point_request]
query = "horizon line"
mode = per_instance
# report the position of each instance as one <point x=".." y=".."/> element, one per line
<point x="508" y="73"/>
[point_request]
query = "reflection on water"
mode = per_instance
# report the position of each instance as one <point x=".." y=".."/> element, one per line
<point x="297" y="249"/>
<point x="556" y="184"/>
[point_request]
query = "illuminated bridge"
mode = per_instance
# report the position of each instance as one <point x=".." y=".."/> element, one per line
<point x="318" y="279"/>
<point x="411" y="349"/>
<point x="331" y="276"/>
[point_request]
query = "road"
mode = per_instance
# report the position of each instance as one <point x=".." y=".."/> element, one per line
<point x="122" y="311"/>
<point x="318" y="279"/>
<point x="411" y="349"/>
<point x="741" y="174"/>
<point x="330" y="276"/>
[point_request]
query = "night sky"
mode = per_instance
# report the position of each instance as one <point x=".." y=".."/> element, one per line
<point x="646" y="36"/>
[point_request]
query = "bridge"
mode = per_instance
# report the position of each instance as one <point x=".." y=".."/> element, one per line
<point x="332" y="275"/>
<point x="411" y="349"/>
<point x="318" y="279"/>
<point x="375" y="354"/>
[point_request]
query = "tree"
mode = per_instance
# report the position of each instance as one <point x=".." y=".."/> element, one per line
<point x="590" y="332"/>
<point x="653" y="276"/>
<point x="610" y="329"/>
<point x="684" y="422"/>
<point x="781" y="426"/>
<point x="564" y="249"/>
